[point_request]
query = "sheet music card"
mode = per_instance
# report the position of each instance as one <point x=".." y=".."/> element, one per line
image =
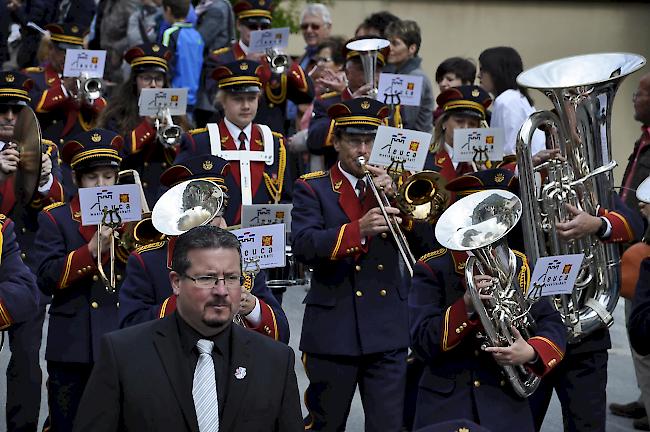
<point x="478" y="145"/>
<point x="123" y="200"/>
<point x="266" y="214"/>
<point x="264" y="244"/>
<point x="261" y="40"/>
<point x="400" y="145"/>
<point x="89" y="63"/>
<point x="554" y="275"/>
<point x="396" y="89"/>
<point x="153" y="101"/>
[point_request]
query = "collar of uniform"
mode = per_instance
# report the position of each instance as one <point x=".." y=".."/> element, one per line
<point x="460" y="258"/>
<point x="346" y="94"/>
<point x="450" y="151"/>
<point x="234" y="132"/>
<point x="350" y="178"/>
<point x="243" y="47"/>
<point x="75" y="208"/>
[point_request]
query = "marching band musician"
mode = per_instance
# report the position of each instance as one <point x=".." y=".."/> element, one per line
<point x="292" y="84"/>
<point x="460" y="380"/>
<point x="65" y="253"/>
<point x="239" y="94"/>
<point x="143" y="150"/>
<point x="59" y="103"/>
<point x="355" y="327"/>
<point x="462" y="107"/>
<point x="24" y="371"/>
<point x="319" y="139"/>
<point x="146" y="293"/>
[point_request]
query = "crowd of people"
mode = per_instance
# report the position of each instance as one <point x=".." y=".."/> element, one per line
<point x="159" y="349"/>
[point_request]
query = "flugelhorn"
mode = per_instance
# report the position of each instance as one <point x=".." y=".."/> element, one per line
<point x="394" y="228"/>
<point x="479" y="223"/>
<point x="167" y="132"/>
<point x="582" y="91"/>
<point x="368" y="50"/>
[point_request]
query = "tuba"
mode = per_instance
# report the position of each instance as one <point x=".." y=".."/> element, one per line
<point x="368" y="50"/>
<point x="479" y="223"/>
<point x="582" y="90"/>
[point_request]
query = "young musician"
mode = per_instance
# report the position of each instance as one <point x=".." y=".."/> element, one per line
<point x="65" y="253"/>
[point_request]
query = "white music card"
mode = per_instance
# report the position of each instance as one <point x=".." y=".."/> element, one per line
<point x="88" y="63"/>
<point x="554" y="275"/>
<point x="478" y="145"/>
<point x="398" y="89"/>
<point x="266" y="214"/>
<point x="261" y="40"/>
<point x="153" y="101"/>
<point x="264" y="245"/>
<point x="118" y="204"/>
<point x="401" y="146"/>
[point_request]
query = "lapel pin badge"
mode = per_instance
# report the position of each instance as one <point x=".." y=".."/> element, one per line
<point x="240" y="373"/>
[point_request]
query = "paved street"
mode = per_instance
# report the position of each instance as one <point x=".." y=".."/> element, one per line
<point x="621" y="386"/>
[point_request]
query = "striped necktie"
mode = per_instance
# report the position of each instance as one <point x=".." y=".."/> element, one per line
<point x="204" y="389"/>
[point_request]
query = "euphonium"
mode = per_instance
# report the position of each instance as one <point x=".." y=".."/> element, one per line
<point x="582" y="90"/>
<point x="479" y="223"/>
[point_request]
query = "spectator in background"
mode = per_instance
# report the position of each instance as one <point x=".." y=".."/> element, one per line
<point x="40" y="12"/>
<point x="186" y="44"/>
<point x="144" y="23"/>
<point x="316" y="25"/>
<point x="113" y="36"/>
<point x="498" y="70"/>
<point x="454" y="72"/>
<point x="405" y="39"/>
<point x="375" y="24"/>
<point x="216" y="23"/>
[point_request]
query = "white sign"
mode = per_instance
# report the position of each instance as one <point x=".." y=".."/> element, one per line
<point x="153" y="101"/>
<point x="89" y="63"/>
<point x="554" y="275"/>
<point x="478" y="145"/>
<point x="266" y="214"/>
<point x="261" y="40"/>
<point x="263" y="245"/>
<point x="110" y="204"/>
<point x="401" y="146"/>
<point x="395" y="89"/>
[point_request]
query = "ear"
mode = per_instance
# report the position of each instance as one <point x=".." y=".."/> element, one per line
<point x="175" y="280"/>
<point x="413" y="49"/>
<point x="335" y="142"/>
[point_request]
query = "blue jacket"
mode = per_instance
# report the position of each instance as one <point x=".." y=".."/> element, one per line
<point x="187" y="45"/>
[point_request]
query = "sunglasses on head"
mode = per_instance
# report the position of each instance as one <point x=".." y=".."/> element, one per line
<point x="305" y="26"/>
<point x="15" y="109"/>
<point x="257" y="26"/>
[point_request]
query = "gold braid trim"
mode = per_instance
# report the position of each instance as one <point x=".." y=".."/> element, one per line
<point x="283" y="92"/>
<point x="248" y="282"/>
<point x="434" y="254"/>
<point x="275" y="186"/>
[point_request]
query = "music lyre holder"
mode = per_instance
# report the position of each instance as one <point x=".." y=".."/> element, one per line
<point x="395" y="170"/>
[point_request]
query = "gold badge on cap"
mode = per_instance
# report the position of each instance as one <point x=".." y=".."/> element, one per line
<point x="96" y="137"/>
<point x="207" y="165"/>
<point x="499" y="178"/>
<point x="365" y="105"/>
<point x="74" y="29"/>
<point x="10" y="78"/>
<point x="155" y="48"/>
<point x="243" y="66"/>
<point x="475" y="93"/>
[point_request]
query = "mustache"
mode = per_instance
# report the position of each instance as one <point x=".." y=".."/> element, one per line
<point x="217" y="303"/>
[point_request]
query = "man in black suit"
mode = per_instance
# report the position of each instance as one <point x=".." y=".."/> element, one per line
<point x="153" y="376"/>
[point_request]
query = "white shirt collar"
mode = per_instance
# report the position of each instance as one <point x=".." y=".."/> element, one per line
<point x="243" y="47"/>
<point x="234" y="132"/>
<point x="450" y="152"/>
<point x="352" y="179"/>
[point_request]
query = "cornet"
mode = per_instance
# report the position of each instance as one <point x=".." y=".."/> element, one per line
<point x="90" y="88"/>
<point x="167" y="132"/>
<point x="278" y="61"/>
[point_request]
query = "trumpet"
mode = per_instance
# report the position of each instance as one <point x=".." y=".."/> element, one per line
<point x="167" y="132"/>
<point x="394" y="228"/>
<point x="90" y="88"/>
<point x="278" y="61"/>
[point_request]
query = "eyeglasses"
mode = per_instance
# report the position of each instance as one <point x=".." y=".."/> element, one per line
<point x="257" y="26"/>
<point x="208" y="282"/>
<point x="305" y="26"/>
<point x="15" y="109"/>
<point x="323" y="59"/>
<point x="359" y="140"/>
<point x="148" y="79"/>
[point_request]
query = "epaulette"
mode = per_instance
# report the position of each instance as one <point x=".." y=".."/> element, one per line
<point x="150" y="246"/>
<point x="220" y="51"/>
<point x="433" y="254"/>
<point x="312" y="175"/>
<point x="3" y="219"/>
<point x="329" y="95"/>
<point x="34" y="69"/>
<point x="53" y="206"/>
<point x="197" y="131"/>
<point x="275" y="134"/>
<point x="248" y="282"/>
<point x="50" y="146"/>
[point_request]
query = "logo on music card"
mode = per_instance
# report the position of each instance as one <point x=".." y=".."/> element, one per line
<point x="124" y="198"/>
<point x="566" y="269"/>
<point x="414" y="146"/>
<point x="267" y="240"/>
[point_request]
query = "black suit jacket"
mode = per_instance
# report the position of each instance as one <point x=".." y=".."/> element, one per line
<point x="139" y="383"/>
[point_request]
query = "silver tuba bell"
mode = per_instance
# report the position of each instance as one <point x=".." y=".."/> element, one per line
<point x="278" y="62"/>
<point x="479" y="223"/>
<point x="368" y="50"/>
<point x="582" y="90"/>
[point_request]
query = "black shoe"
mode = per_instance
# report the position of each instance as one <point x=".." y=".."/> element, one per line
<point x="630" y="410"/>
<point x="641" y="424"/>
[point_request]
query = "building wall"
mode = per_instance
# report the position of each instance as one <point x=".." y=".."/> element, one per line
<point x="540" y="31"/>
